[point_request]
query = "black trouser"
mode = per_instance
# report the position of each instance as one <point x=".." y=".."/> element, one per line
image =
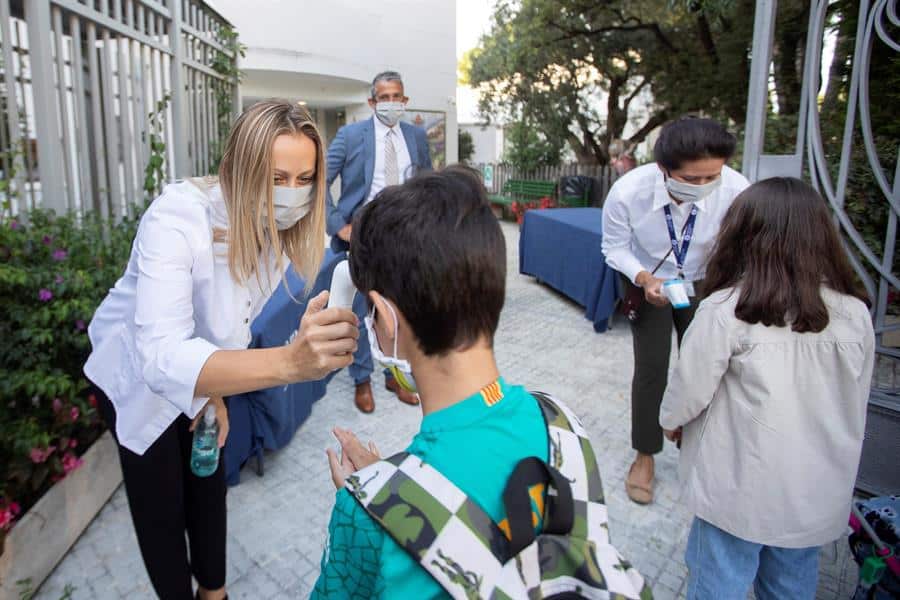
<point x="652" y="339"/>
<point x="166" y="499"/>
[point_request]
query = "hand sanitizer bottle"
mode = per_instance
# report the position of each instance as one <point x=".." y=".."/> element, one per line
<point x="205" y="449"/>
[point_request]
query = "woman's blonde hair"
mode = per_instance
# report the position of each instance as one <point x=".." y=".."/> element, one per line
<point x="246" y="174"/>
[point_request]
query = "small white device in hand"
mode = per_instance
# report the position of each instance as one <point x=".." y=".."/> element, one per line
<point x="342" y="290"/>
<point x="676" y="291"/>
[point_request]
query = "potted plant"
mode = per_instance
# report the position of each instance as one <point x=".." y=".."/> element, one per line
<point x="54" y="271"/>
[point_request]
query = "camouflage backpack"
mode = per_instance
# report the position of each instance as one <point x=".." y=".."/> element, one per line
<point x="472" y="557"/>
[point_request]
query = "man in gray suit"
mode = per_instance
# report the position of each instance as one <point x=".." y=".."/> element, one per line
<point x="369" y="156"/>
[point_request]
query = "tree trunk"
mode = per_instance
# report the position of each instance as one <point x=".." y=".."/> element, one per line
<point x="790" y="45"/>
<point x="839" y="72"/>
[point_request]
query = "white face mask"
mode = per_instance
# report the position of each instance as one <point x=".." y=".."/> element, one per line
<point x="398" y="367"/>
<point x="291" y="205"/>
<point x="390" y="113"/>
<point x="691" y="192"/>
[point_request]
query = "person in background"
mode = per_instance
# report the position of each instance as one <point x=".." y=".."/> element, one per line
<point x="769" y="397"/>
<point x="659" y="224"/>
<point x="368" y="156"/>
<point x="620" y="157"/>
<point x="171" y="337"/>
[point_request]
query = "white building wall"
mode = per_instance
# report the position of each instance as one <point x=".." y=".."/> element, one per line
<point x="488" y="142"/>
<point x="326" y="53"/>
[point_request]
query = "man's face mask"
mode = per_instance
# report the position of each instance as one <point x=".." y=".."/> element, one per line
<point x="691" y="192"/>
<point x="390" y="113"/>
<point x="291" y="205"/>
<point x="399" y="368"/>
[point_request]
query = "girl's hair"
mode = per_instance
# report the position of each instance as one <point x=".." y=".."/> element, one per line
<point x="246" y="175"/>
<point x="778" y="244"/>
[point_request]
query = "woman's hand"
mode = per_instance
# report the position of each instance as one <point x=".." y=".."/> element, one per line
<point x="653" y="289"/>
<point x="221" y="418"/>
<point x="324" y="343"/>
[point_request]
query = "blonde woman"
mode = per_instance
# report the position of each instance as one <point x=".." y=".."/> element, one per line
<point x="172" y="335"/>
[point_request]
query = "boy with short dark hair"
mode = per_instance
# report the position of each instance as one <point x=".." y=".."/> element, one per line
<point x="430" y="258"/>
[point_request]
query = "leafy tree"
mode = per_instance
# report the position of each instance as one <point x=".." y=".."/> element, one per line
<point x="580" y="69"/>
<point x="466" y="146"/>
<point x="528" y="150"/>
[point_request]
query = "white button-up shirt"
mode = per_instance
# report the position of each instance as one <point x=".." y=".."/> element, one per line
<point x="773" y="420"/>
<point x="403" y="160"/>
<point x="175" y="305"/>
<point x="635" y="234"/>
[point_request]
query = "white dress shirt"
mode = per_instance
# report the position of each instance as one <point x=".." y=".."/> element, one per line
<point x="175" y="305"/>
<point x="773" y="420"/>
<point x="635" y="235"/>
<point x="403" y="160"/>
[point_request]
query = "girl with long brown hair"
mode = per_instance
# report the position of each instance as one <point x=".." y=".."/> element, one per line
<point x="170" y="339"/>
<point x="769" y="397"/>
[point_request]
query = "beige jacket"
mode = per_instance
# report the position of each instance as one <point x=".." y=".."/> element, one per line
<point x="773" y="420"/>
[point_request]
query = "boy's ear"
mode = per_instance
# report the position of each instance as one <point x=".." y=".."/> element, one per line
<point x="384" y="313"/>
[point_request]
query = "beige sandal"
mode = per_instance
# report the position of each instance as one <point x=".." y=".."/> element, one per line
<point x="639" y="492"/>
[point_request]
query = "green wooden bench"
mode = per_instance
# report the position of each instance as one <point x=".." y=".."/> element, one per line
<point x="521" y="190"/>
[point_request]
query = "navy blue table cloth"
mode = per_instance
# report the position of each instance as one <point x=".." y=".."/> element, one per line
<point x="268" y="419"/>
<point x="561" y="247"/>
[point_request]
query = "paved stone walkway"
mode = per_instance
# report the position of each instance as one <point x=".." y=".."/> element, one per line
<point x="277" y="523"/>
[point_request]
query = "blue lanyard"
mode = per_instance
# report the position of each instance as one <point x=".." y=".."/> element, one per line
<point x="681" y="253"/>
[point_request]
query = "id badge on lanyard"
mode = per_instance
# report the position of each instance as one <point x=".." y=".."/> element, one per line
<point x="678" y="290"/>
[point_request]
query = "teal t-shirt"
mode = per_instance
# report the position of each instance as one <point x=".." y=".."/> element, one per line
<point x="476" y="444"/>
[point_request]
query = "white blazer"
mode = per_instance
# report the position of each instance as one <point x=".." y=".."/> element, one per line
<point x="175" y="305"/>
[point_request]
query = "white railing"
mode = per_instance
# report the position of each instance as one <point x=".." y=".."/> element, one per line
<point x="95" y="90"/>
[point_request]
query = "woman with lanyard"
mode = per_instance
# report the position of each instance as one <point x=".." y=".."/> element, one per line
<point x="659" y="224"/>
<point x="172" y="335"/>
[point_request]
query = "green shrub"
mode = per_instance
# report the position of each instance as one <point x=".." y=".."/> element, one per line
<point x="54" y="272"/>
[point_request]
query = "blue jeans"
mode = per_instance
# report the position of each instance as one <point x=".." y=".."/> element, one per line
<point x="362" y="367"/>
<point x="723" y="567"/>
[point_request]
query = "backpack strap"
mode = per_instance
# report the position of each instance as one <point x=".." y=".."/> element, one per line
<point x="440" y="527"/>
<point x="570" y="452"/>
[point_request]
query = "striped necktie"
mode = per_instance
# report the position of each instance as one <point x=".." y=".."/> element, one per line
<point x="391" y="171"/>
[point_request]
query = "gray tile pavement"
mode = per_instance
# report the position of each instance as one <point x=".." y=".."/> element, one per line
<point x="277" y="523"/>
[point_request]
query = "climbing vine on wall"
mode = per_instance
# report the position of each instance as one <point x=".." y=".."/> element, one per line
<point x="224" y="91"/>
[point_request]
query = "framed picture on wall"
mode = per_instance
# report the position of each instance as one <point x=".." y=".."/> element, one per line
<point x="435" y="125"/>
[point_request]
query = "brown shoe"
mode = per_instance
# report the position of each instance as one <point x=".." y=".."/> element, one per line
<point x="364" y="399"/>
<point x="640" y="490"/>
<point x="391" y="385"/>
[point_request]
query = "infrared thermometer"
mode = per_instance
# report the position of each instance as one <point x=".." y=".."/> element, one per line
<point x="342" y="291"/>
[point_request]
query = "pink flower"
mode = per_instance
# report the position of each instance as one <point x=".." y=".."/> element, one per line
<point x="14" y="508"/>
<point x="92" y="400"/>
<point x="47" y="240"/>
<point x="13" y="224"/>
<point x="59" y="279"/>
<point x="80" y="325"/>
<point x="39" y="456"/>
<point x="45" y="295"/>
<point x="60" y="254"/>
<point x="57" y="405"/>
<point x="73" y="444"/>
<point x="74" y="413"/>
<point x="6" y="519"/>
<point x="70" y="462"/>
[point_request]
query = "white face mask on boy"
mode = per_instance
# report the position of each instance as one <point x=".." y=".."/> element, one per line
<point x="398" y="367"/>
